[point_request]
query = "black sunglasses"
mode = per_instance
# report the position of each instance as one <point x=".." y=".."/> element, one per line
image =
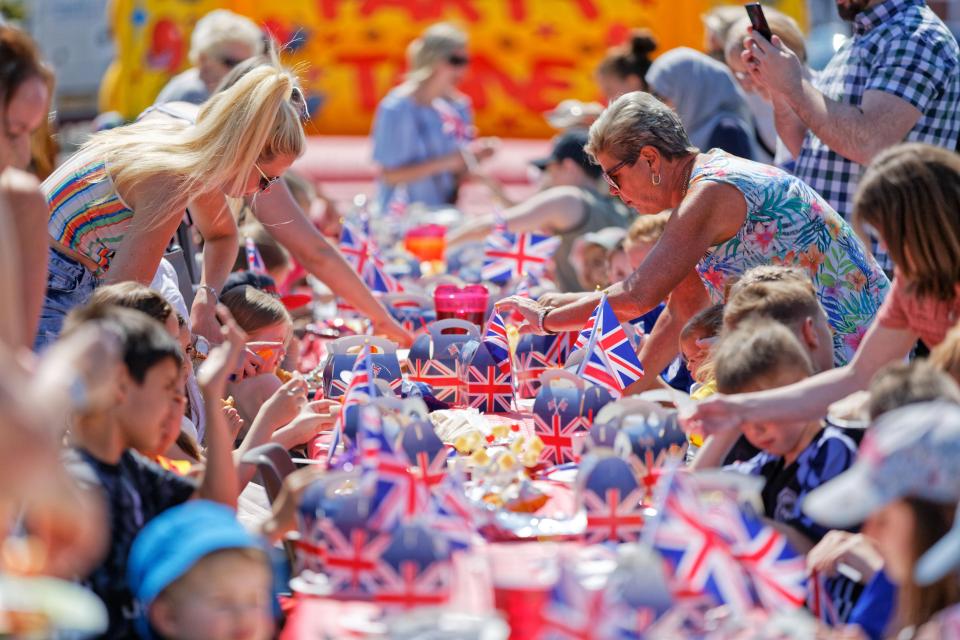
<point x="265" y="181"/>
<point x="229" y="62"/>
<point x="458" y="60"/>
<point x="608" y="176"/>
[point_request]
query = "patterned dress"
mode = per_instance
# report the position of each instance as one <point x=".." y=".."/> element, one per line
<point x="789" y="224"/>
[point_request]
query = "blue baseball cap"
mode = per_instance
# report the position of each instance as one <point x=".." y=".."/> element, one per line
<point x="173" y="542"/>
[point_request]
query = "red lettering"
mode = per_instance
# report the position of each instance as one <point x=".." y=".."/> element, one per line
<point x="588" y="8"/>
<point x="547" y="75"/>
<point x="484" y="74"/>
<point x="365" y="67"/>
<point x="543" y="79"/>
<point x="329" y="9"/>
<point x="423" y="10"/>
<point x="517" y="10"/>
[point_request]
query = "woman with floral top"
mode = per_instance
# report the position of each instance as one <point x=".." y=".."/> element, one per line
<point x="730" y="215"/>
<point x="909" y="197"/>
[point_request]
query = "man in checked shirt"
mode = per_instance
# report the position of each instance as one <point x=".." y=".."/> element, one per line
<point x="897" y="79"/>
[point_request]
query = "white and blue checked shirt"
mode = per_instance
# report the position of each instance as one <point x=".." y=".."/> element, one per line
<point x="902" y="48"/>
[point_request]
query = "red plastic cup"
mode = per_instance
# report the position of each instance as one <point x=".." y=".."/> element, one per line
<point x="522" y="575"/>
<point x="466" y="303"/>
<point x="426" y="242"/>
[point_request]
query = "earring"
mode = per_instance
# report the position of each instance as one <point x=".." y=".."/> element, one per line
<point x="655" y="179"/>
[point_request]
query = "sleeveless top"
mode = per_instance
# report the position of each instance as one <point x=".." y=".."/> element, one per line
<point x="790" y="224"/>
<point x="599" y="212"/>
<point x="86" y="212"/>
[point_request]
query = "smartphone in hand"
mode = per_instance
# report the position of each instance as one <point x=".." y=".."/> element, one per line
<point x="758" y="20"/>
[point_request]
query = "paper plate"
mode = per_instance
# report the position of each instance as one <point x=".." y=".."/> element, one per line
<point x="64" y="605"/>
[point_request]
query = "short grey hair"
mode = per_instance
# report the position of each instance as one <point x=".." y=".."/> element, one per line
<point x="636" y="120"/>
<point x="220" y="27"/>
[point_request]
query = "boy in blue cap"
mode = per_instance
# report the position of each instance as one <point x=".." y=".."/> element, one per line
<point x="197" y="574"/>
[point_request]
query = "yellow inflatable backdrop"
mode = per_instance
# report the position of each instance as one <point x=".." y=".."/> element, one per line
<point x="527" y="55"/>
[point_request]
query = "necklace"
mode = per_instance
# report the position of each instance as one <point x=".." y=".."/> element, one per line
<point x="686" y="178"/>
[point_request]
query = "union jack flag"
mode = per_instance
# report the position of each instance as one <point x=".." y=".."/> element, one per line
<point x="510" y="255"/>
<point x="578" y="610"/>
<point x="557" y="435"/>
<point x="376" y="277"/>
<point x="583" y="338"/>
<point x="254" y="259"/>
<point x="360" y="387"/>
<point x="698" y="554"/>
<point x="530" y="366"/>
<point x="524" y="285"/>
<point x="777" y="572"/>
<point x="414" y="571"/>
<point x="610" y="360"/>
<point x="440" y="376"/>
<point x="487" y="388"/>
<point x="454" y="124"/>
<point x="430" y="471"/>
<point x="397" y="492"/>
<point x="399" y="201"/>
<point x="613" y="517"/>
<point x="562" y="345"/>
<point x="497" y="342"/>
<point x="451" y="514"/>
<point x="355" y="247"/>
<point x="351" y="561"/>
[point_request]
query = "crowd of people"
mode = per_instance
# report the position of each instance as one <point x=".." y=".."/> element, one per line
<point x="793" y="236"/>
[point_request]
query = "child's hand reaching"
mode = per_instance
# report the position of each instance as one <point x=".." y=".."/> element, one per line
<point x="284" y="405"/>
<point x="844" y="548"/>
<point x="316" y="417"/>
<point x="224" y="359"/>
<point x="235" y="423"/>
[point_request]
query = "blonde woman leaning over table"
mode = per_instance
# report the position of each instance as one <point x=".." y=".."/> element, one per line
<point x="285" y="220"/>
<point x="115" y="204"/>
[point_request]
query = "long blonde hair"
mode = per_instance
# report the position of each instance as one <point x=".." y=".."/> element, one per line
<point x="252" y="121"/>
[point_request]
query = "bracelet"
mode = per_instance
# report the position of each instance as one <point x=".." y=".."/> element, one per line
<point x="541" y="316"/>
<point x="210" y="290"/>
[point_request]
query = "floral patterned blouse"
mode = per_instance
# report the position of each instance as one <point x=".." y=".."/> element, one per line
<point x="790" y="224"/>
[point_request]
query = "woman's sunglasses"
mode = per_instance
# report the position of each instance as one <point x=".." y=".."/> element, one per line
<point x="458" y="60"/>
<point x="229" y="62"/>
<point x="265" y="181"/>
<point x="608" y="175"/>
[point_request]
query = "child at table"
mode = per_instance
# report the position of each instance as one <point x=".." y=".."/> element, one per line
<point x="696" y="340"/>
<point x="269" y="328"/>
<point x="104" y="444"/>
<point x="196" y="573"/>
<point x="796" y="457"/>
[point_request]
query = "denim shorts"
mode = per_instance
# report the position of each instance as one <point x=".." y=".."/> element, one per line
<point x="69" y="285"/>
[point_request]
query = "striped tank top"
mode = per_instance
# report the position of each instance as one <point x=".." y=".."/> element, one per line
<point x="86" y="212"/>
